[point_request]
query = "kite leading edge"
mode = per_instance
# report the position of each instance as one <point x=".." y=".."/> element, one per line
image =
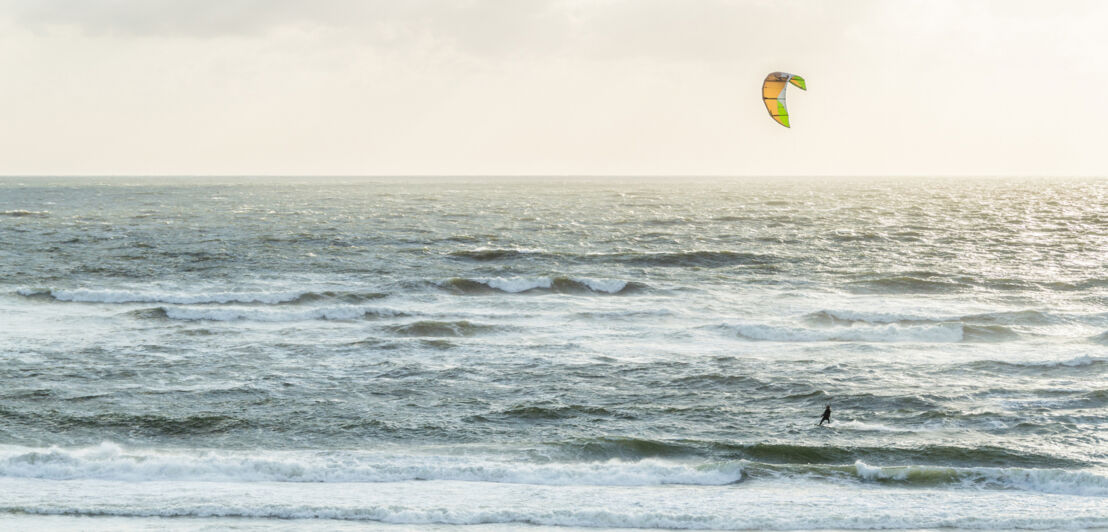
<point x="773" y="94"/>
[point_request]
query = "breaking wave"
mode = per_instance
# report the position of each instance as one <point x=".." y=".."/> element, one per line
<point x="109" y="461"/>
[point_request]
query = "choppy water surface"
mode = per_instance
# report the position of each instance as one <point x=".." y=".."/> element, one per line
<point x="555" y="353"/>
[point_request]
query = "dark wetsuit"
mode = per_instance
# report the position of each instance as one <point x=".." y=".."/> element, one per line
<point x="826" y="415"/>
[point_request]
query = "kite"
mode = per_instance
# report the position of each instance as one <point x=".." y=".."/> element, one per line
<point x="773" y="94"/>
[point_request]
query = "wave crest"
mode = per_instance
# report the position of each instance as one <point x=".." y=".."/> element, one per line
<point x="553" y="412"/>
<point x="20" y="213"/>
<point x="560" y="285"/>
<point x="88" y="295"/>
<point x="348" y="312"/>
<point x="494" y="254"/>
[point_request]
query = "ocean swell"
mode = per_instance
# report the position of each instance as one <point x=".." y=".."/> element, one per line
<point x="433" y="328"/>
<point x="345" y="312"/>
<point x="1040" y="480"/>
<point x="661" y="259"/>
<point x="606" y="448"/>
<point x="832" y="318"/>
<point x="89" y="295"/>
<point x="702" y="259"/>
<point x="559" y="285"/>
<point x="1082" y="362"/>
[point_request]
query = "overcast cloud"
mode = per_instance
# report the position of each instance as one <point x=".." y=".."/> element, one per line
<point x="591" y="87"/>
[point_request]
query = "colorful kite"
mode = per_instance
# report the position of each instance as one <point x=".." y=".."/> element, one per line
<point x="773" y="94"/>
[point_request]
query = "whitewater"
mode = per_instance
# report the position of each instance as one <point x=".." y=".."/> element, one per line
<point x="490" y="354"/>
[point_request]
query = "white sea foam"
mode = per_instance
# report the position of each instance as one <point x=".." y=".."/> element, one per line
<point x="20" y="213"/>
<point x="1019" y="317"/>
<point x="109" y="461"/>
<point x="610" y="286"/>
<point x="518" y="285"/>
<point x="939" y="333"/>
<point x="870" y="427"/>
<point x="1074" y="362"/>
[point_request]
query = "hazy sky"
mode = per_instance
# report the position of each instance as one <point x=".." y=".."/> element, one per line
<point x="359" y="87"/>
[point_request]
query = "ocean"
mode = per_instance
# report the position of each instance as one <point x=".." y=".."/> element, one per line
<point x="491" y="354"/>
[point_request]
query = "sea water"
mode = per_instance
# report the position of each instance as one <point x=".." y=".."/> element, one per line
<point x="548" y="353"/>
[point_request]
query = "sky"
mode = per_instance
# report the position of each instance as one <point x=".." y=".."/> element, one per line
<point x="551" y="87"/>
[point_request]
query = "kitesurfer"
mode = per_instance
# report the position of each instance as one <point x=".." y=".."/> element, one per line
<point x="826" y="415"/>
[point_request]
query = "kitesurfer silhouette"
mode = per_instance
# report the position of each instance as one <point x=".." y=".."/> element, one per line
<point x="826" y="415"/>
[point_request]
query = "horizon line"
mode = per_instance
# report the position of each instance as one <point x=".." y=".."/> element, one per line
<point x="552" y="175"/>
